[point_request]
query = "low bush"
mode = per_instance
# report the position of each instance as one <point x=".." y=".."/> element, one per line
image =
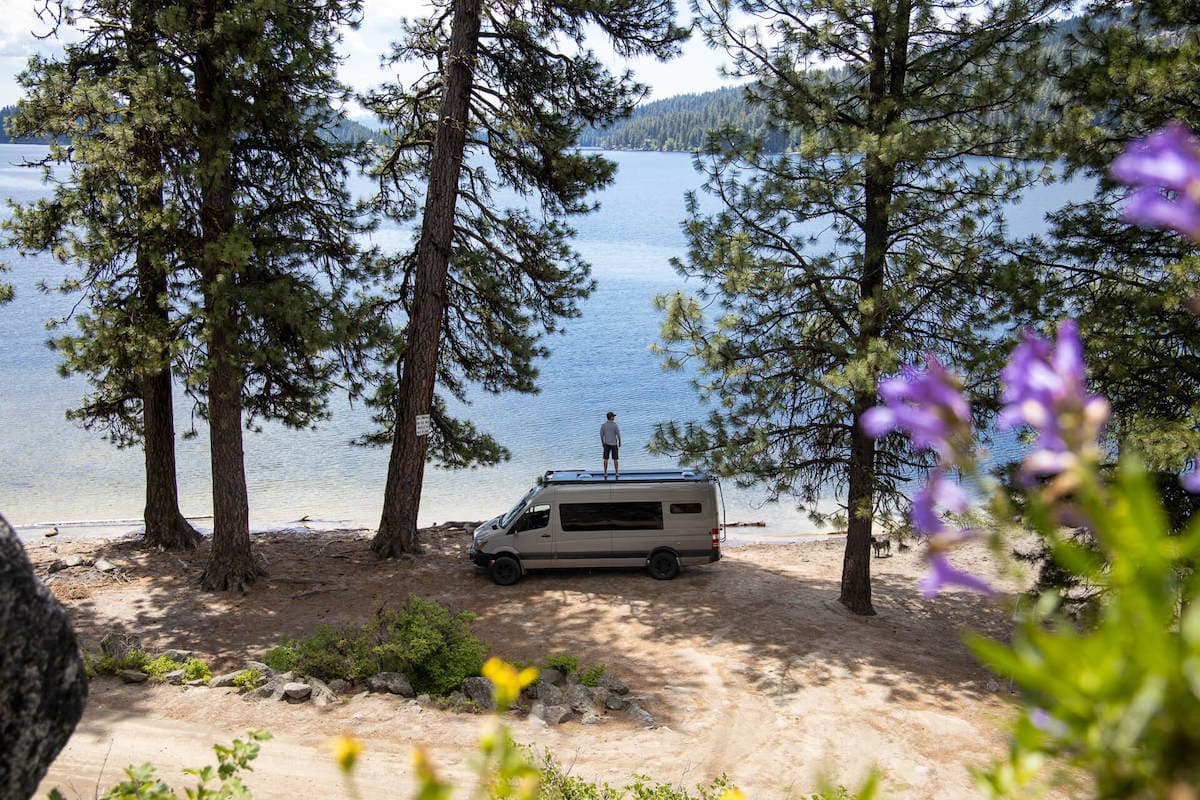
<point x="196" y="670"/>
<point x="423" y="640"/>
<point x="247" y="679"/>
<point x="591" y="676"/>
<point x="159" y="667"/>
<point x="567" y="665"/>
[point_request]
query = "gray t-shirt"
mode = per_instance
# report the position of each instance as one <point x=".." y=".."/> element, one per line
<point x="610" y="433"/>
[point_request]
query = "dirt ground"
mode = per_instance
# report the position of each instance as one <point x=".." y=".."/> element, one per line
<point x="750" y="666"/>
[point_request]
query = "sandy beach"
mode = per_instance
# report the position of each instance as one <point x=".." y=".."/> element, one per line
<point x="750" y="667"/>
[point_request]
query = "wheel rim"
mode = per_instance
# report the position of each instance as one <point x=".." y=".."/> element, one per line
<point x="663" y="565"/>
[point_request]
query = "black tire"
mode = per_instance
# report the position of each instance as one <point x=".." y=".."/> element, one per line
<point x="663" y="565"/>
<point x="505" y="570"/>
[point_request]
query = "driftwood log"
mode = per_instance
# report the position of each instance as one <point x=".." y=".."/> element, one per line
<point x="42" y="682"/>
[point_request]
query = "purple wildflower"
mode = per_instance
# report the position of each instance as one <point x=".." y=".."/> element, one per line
<point x="937" y="492"/>
<point x="941" y="574"/>
<point x="1164" y="169"/>
<point x="927" y="405"/>
<point x="1191" y="481"/>
<point x="1045" y="388"/>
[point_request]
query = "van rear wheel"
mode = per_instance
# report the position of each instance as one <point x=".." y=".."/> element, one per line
<point x="663" y="565"/>
<point x="506" y="571"/>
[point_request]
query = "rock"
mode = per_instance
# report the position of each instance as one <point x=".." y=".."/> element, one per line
<point x="479" y="690"/>
<point x="322" y="693"/>
<point x="175" y="677"/>
<point x="56" y="566"/>
<point x="43" y="685"/>
<point x="552" y="676"/>
<point x="133" y="676"/>
<point x="182" y="656"/>
<point x="591" y="717"/>
<point x="104" y="565"/>
<point x="118" y="646"/>
<point x="297" y="691"/>
<point x="392" y="683"/>
<point x="599" y="694"/>
<point x="579" y="698"/>
<point x="613" y="684"/>
<point x="197" y="682"/>
<point x="222" y="681"/>
<point x="73" y="560"/>
<point x="554" y="715"/>
<point x="339" y="686"/>
<point x="424" y="700"/>
<point x="551" y="695"/>
<point x="615" y="702"/>
<point x="272" y="689"/>
<point x="642" y="715"/>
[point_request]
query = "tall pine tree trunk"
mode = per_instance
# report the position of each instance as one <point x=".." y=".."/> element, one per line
<point x="231" y="563"/>
<point x="856" y="562"/>
<point x="166" y="528"/>
<point x="418" y="371"/>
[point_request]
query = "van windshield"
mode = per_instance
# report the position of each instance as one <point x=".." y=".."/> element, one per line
<point x="512" y="513"/>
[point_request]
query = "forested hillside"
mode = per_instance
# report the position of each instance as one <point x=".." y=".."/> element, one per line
<point x="345" y="131"/>
<point x="680" y="123"/>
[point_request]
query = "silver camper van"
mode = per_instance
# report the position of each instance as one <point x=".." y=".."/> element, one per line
<point x="662" y="520"/>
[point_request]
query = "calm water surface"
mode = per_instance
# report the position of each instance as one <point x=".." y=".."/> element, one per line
<point x="54" y="473"/>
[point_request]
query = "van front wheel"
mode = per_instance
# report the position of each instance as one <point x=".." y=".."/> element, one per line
<point x="663" y="565"/>
<point x="506" y="571"/>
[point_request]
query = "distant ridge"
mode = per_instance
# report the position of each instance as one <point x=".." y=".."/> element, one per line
<point x="346" y="131"/>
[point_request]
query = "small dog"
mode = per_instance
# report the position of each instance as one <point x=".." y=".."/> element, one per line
<point x="904" y="548"/>
<point x="882" y="546"/>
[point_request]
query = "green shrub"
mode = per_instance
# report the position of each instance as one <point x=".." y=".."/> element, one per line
<point x="196" y="670"/>
<point x="591" y="675"/>
<point x="159" y="667"/>
<point x="247" y="679"/>
<point x="567" y="665"/>
<point x="107" y="665"/>
<point x="433" y="647"/>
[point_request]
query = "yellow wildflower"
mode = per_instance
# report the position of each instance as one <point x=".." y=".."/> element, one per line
<point x="507" y="680"/>
<point x="346" y="750"/>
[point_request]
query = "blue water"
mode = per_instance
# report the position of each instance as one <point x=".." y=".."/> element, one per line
<point x="54" y="473"/>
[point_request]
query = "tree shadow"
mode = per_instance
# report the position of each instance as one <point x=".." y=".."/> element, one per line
<point x="783" y="622"/>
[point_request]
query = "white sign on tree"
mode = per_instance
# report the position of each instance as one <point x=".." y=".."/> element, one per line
<point x="424" y="426"/>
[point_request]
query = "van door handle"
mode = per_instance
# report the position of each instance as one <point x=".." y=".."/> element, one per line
<point x="545" y="536"/>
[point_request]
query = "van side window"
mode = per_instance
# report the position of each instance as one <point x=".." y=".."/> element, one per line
<point x="534" y="517"/>
<point x="685" y="508"/>
<point x="645" y="516"/>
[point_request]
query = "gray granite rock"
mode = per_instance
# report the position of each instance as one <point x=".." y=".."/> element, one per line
<point x="551" y="695"/>
<point x="222" y="681"/>
<point x="43" y="685"/>
<point x="642" y="715"/>
<point x="392" y="683"/>
<point x="133" y="676"/>
<point x="614" y="702"/>
<point x="579" y="698"/>
<point x="174" y="677"/>
<point x="118" y="646"/>
<point x="104" y="565"/>
<point x="613" y="684"/>
<point x="297" y="691"/>
<point x="479" y="690"/>
<point x="339" y="686"/>
<point x="551" y="676"/>
<point x="554" y="715"/>
<point x="179" y="655"/>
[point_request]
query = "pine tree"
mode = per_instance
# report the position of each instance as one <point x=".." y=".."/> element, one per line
<point x="1129" y="69"/>
<point x="879" y="240"/>
<point x="509" y="89"/>
<point x="99" y="104"/>
<point x="210" y="161"/>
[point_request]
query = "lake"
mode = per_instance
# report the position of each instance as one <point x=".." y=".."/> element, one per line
<point x="54" y="473"/>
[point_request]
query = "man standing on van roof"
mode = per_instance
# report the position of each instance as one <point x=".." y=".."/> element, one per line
<point x="610" y="437"/>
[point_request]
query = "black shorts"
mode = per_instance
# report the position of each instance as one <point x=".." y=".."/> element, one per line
<point x="610" y="448"/>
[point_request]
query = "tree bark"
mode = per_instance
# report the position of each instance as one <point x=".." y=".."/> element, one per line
<point x="231" y="563"/>
<point x="166" y="527"/>
<point x="418" y="370"/>
<point x="856" y="563"/>
<point x="43" y="687"/>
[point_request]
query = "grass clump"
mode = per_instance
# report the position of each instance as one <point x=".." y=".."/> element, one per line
<point x="557" y="784"/>
<point x="137" y="660"/>
<point x="433" y="647"/>
<point x="591" y="676"/>
<point x="567" y="665"/>
<point x="158" y="668"/>
<point x="196" y="670"/>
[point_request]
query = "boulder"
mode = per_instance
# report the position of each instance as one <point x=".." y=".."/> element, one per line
<point x="339" y="686"/>
<point x="322" y="693"/>
<point x="43" y="685"/>
<point x="551" y="676"/>
<point x="174" y="677"/>
<point x="104" y="565"/>
<point x="613" y="684"/>
<point x="74" y="560"/>
<point x="197" y="682"/>
<point x="551" y="695"/>
<point x="222" y="681"/>
<point x="554" y="715"/>
<point x="297" y="691"/>
<point x="133" y="676"/>
<point x="182" y="656"/>
<point x="614" y="702"/>
<point x="480" y="691"/>
<point x="579" y="698"/>
<point x="392" y="683"/>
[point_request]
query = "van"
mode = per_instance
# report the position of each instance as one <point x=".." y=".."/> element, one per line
<point x="662" y="520"/>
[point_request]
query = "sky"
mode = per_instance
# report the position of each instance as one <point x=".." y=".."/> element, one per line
<point x="697" y="70"/>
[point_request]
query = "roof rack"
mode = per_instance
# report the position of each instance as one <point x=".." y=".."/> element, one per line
<point x="627" y="476"/>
